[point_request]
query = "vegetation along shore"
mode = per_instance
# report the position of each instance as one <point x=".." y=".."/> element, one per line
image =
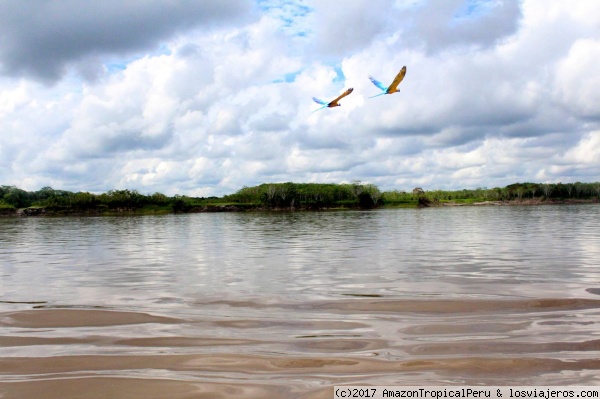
<point x="284" y="196"/>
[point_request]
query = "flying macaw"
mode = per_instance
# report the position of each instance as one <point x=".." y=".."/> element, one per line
<point x="393" y="88"/>
<point x="334" y="103"/>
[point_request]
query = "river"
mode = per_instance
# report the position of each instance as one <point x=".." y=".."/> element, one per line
<point x="288" y="304"/>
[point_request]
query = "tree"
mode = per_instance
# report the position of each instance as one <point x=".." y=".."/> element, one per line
<point x="519" y="192"/>
<point x="569" y="188"/>
<point x="180" y="203"/>
<point x="396" y="196"/>
<point x="245" y="195"/>
<point x="373" y="192"/>
<point x="4" y="190"/>
<point x="547" y="189"/>
<point x="123" y="199"/>
<point x="356" y="188"/>
<point x="596" y="188"/>
<point x="533" y="189"/>
<point x="369" y="196"/>
<point x="83" y="200"/>
<point x="418" y="192"/>
<point x="579" y="189"/>
<point x="287" y="194"/>
<point x="270" y="194"/>
<point x="159" y="199"/>
<point x="17" y="198"/>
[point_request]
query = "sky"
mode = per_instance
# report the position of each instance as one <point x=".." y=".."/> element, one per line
<point x="202" y="98"/>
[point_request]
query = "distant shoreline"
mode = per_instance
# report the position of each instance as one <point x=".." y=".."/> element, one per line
<point x="285" y="197"/>
<point x="58" y="212"/>
<point x="525" y="202"/>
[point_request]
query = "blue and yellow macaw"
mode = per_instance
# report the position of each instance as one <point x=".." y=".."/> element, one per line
<point x="391" y="89"/>
<point x="334" y="103"/>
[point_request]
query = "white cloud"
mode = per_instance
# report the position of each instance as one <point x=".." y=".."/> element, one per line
<point x="586" y="153"/>
<point x="577" y="81"/>
<point x="45" y="38"/>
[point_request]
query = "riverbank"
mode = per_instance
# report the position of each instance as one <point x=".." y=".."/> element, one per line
<point x="523" y="202"/>
<point x="269" y="197"/>
<point x="38" y="211"/>
<point x="154" y="210"/>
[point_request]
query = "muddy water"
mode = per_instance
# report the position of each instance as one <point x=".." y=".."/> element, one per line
<point x="287" y="305"/>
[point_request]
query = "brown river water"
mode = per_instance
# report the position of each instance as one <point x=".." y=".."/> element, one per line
<point x="287" y="305"/>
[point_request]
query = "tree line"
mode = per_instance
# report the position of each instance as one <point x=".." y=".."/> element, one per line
<point x="523" y="192"/>
<point x="289" y="196"/>
<point x="272" y="196"/>
<point x="47" y="197"/>
<point x="309" y="195"/>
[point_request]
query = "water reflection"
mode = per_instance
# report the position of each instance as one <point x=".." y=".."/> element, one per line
<point x="387" y="252"/>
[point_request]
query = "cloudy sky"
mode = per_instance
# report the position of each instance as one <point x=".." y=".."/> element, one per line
<point x="204" y="97"/>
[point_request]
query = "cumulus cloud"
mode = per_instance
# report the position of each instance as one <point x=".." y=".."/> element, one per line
<point x="440" y="24"/>
<point x="40" y="39"/>
<point x="339" y="27"/>
<point x="577" y="79"/>
<point x="496" y="92"/>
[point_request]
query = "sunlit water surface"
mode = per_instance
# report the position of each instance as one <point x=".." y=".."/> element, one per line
<point x="289" y="304"/>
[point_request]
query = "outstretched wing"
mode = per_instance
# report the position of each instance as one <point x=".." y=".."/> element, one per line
<point x="315" y="99"/>
<point x="378" y="83"/>
<point x="344" y="94"/>
<point x="397" y="79"/>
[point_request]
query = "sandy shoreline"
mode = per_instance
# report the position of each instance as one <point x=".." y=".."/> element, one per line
<point x="97" y="353"/>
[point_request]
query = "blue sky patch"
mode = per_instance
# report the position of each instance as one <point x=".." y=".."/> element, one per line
<point x="474" y="9"/>
<point x="339" y="74"/>
<point x="290" y="13"/>
<point x="288" y="77"/>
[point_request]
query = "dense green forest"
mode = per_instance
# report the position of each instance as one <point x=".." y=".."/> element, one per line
<point x="282" y="196"/>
